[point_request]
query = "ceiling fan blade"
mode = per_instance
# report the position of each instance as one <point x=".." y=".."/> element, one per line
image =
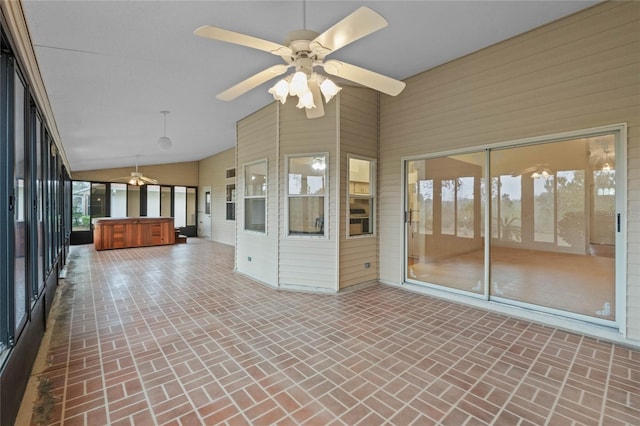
<point x="221" y="34"/>
<point x="148" y="180"/>
<point x="360" y="23"/>
<point x="367" y="78"/>
<point x="251" y="82"/>
<point x="318" y="111"/>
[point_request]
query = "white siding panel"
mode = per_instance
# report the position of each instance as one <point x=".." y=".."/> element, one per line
<point x="576" y="73"/>
<point x="358" y="136"/>
<point x="257" y="140"/>
<point x="299" y="256"/>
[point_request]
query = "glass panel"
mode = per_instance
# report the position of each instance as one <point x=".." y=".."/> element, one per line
<point x="118" y="200"/>
<point x="465" y="207"/>
<point x="361" y="216"/>
<point x="545" y="257"/>
<point x="39" y="279"/>
<point x="443" y="230"/>
<point x="448" y="207"/>
<point x="544" y="208"/>
<point x="153" y="200"/>
<point x="361" y="200"/>
<point x="255" y="179"/>
<point x="180" y="206"/>
<point x="231" y="202"/>
<point x="306" y="175"/>
<point x="306" y="187"/>
<point x="192" y="203"/>
<point x="306" y="215"/>
<point x="207" y="202"/>
<point x="255" y="191"/>
<point x="20" y="243"/>
<point x="133" y="201"/>
<point x="509" y="211"/>
<point x="80" y="205"/>
<point x="571" y="210"/>
<point x="254" y="214"/>
<point x="98" y="195"/>
<point x="165" y="201"/>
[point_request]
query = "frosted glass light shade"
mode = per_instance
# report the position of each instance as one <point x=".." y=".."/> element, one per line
<point x="329" y="89"/>
<point x="165" y="143"/>
<point x="299" y="85"/>
<point x="280" y="91"/>
<point x="306" y="100"/>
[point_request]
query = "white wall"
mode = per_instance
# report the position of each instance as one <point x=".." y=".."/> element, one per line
<point x="212" y="173"/>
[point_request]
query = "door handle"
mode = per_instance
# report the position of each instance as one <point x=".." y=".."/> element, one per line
<point x="618" y="222"/>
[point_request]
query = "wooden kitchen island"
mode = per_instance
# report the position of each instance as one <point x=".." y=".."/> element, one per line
<point x="115" y="233"/>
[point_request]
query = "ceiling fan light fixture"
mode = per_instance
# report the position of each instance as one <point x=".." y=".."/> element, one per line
<point x="299" y="85"/>
<point x="329" y="89"/>
<point x="306" y="101"/>
<point x="280" y="91"/>
<point x="164" y="142"/>
<point x="318" y="164"/>
<point x="606" y="167"/>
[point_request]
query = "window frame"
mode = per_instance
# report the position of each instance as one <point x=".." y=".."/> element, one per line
<point x="371" y="197"/>
<point x="263" y="196"/>
<point x="325" y="195"/>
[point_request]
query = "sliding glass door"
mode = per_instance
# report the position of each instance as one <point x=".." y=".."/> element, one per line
<point x="552" y="221"/>
<point x="444" y="221"/>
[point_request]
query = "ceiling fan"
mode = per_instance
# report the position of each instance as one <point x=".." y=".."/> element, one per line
<point x="540" y="170"/>
<point x="137" y="178"/>
<point x="305" y="50"/>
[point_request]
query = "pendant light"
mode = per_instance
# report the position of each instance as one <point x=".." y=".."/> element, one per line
<point x="164" y="142"/>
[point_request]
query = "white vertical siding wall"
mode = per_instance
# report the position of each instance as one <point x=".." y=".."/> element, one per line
<point x="212" y="172"/>
<point x="257" y="140"/>
<point x="576" y="73"/>
<point x="309" y="262"/>
<point x="358" y="136"/>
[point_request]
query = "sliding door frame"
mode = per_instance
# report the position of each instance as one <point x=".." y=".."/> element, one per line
<point x="620" y="132"/>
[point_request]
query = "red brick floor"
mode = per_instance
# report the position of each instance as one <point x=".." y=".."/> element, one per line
<point x="172" y="336"/>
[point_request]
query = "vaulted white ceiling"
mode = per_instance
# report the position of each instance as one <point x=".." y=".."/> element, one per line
<point x="110" y="67"/>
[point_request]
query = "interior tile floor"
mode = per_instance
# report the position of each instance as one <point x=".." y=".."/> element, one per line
<point x="172" y="336"/>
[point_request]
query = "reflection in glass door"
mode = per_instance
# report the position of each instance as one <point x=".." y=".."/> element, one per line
<point x="444" y="221"/>
<point x="552" y="225"/>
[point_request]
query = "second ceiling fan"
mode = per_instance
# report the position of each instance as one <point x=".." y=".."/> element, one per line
<point x="304" y="50"/>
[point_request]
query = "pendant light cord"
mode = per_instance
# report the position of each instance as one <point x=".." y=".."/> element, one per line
<point x="165" y="122"/>
<point x="304" y="14"/>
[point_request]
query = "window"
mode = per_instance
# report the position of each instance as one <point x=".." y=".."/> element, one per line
<point x="180" y="206"/>
<point x="19" y="208"/>
<point x="165" y="201"/>
<point x="80" y="206"/>
<point x="306" y="190"/>
<point x="230" y="173"/>
<point x="207" y="202"/>
<point x="153" y="200"/>
<point x="361" y="196"/>
<point x="133" y="201"/>
<point x="118" y="200"/>
<point x="192" y="203"/>
<point x="231" y="202"/>
<point x="255" y="196"/>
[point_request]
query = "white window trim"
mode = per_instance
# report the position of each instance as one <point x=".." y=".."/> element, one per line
<point x="324" y="236"/>
<point x="372" y="196"/>
<point x="244" y="197"/>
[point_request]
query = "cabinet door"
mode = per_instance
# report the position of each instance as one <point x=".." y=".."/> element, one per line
<point x="155" y="234"/>
<point x="118" y="236"/>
